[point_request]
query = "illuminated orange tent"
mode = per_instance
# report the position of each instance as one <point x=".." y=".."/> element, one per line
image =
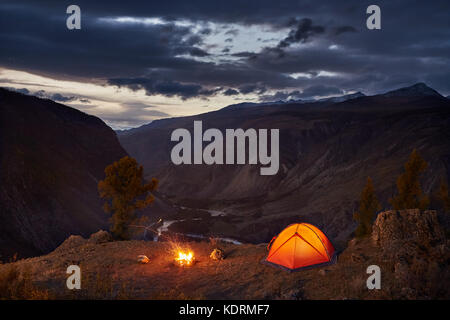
<point x="298" y="246"/>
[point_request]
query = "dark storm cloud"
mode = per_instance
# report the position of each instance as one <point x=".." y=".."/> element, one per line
<point x="344" y="29"/>
<point x="320" y="90"/>
<point x="304" y="29"/>
<point x="230" y="92"/>
<point x="248" y="12"/>
<point x="98" y="50"/>
<point x="167" y="88"/>
<point x="206" y="31"/>
<point x="197" y="52"/>
<point x="194" y="40"/>
<point x="412" y="46"/>
<point x="225" y="75"/>
<point x="244" y="54"/>
<point x="250" y="88"/>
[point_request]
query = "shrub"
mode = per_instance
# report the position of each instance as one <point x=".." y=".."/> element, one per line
<point x="368" y="207"/>
<point x="410" y="195"/>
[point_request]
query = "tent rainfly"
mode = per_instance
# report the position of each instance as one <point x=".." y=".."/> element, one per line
<point x="300" y="246"/>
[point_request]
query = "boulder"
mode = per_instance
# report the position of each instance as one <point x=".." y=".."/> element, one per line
<point x="407" y="225"/>
<point x="322" y="272"/>
<point x="143" y="259"/>
<point x="100" y="236"/>
<point x="414" y="242"/>
<point x="217" y="254"/>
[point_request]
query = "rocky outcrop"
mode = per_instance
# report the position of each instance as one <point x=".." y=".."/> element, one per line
<point x="100" y="236"/>
<point x="407" y="225"/>
<point x="415" y="244"/>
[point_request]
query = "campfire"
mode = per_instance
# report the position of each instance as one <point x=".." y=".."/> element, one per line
<point x="185" y="259"/>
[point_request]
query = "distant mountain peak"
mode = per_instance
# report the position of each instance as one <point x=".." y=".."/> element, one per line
<point x="343" y="98"/>
<point x="417" y="90"/>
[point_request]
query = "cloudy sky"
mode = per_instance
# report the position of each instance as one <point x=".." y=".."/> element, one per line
<point x="133" y="62"/>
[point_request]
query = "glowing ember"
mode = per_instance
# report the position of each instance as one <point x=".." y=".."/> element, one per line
<point x="185" y="259"/>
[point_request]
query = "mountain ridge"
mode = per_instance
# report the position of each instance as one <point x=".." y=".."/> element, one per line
<point x="418" y="89"/>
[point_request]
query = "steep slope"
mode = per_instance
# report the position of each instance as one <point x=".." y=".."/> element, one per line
<point x="52" y="158"/>
<point x="327" y="150"/>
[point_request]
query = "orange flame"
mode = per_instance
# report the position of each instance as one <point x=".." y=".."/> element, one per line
<point x="185" y="259"/>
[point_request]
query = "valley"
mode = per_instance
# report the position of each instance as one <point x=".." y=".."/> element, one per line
<point x="51" y="166"/>
<point x="327" y="150"/>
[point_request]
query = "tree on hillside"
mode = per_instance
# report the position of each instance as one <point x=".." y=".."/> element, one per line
<point x="368" y="207"/>
<point x="410" y="195"/>
<point x="443" y="196"/>
<point x="125" y="191"/>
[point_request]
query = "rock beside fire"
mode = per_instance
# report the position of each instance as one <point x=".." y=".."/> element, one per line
<point x="217" y="254"/>
<point x="143" y="259"/>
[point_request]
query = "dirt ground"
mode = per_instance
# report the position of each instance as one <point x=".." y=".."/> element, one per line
<point x="110" y="271"/>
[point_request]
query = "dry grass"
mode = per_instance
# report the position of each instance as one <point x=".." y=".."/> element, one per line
<point x="16" y="284"/>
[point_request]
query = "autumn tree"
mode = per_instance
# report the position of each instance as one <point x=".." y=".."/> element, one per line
<point x="368" y="207"/>
<point x="125" y="191"/>
<point x="410" y="195"/>
<point x="443" y="196"/>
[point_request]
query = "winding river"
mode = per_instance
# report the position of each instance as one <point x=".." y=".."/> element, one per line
<point x="214" y="213"/>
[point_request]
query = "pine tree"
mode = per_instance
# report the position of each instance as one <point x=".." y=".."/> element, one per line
<point x="410" y="195"/>
<point x="125" y="191"/>
<point x="368" y="207"/>
<point x="443" y="196"/>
